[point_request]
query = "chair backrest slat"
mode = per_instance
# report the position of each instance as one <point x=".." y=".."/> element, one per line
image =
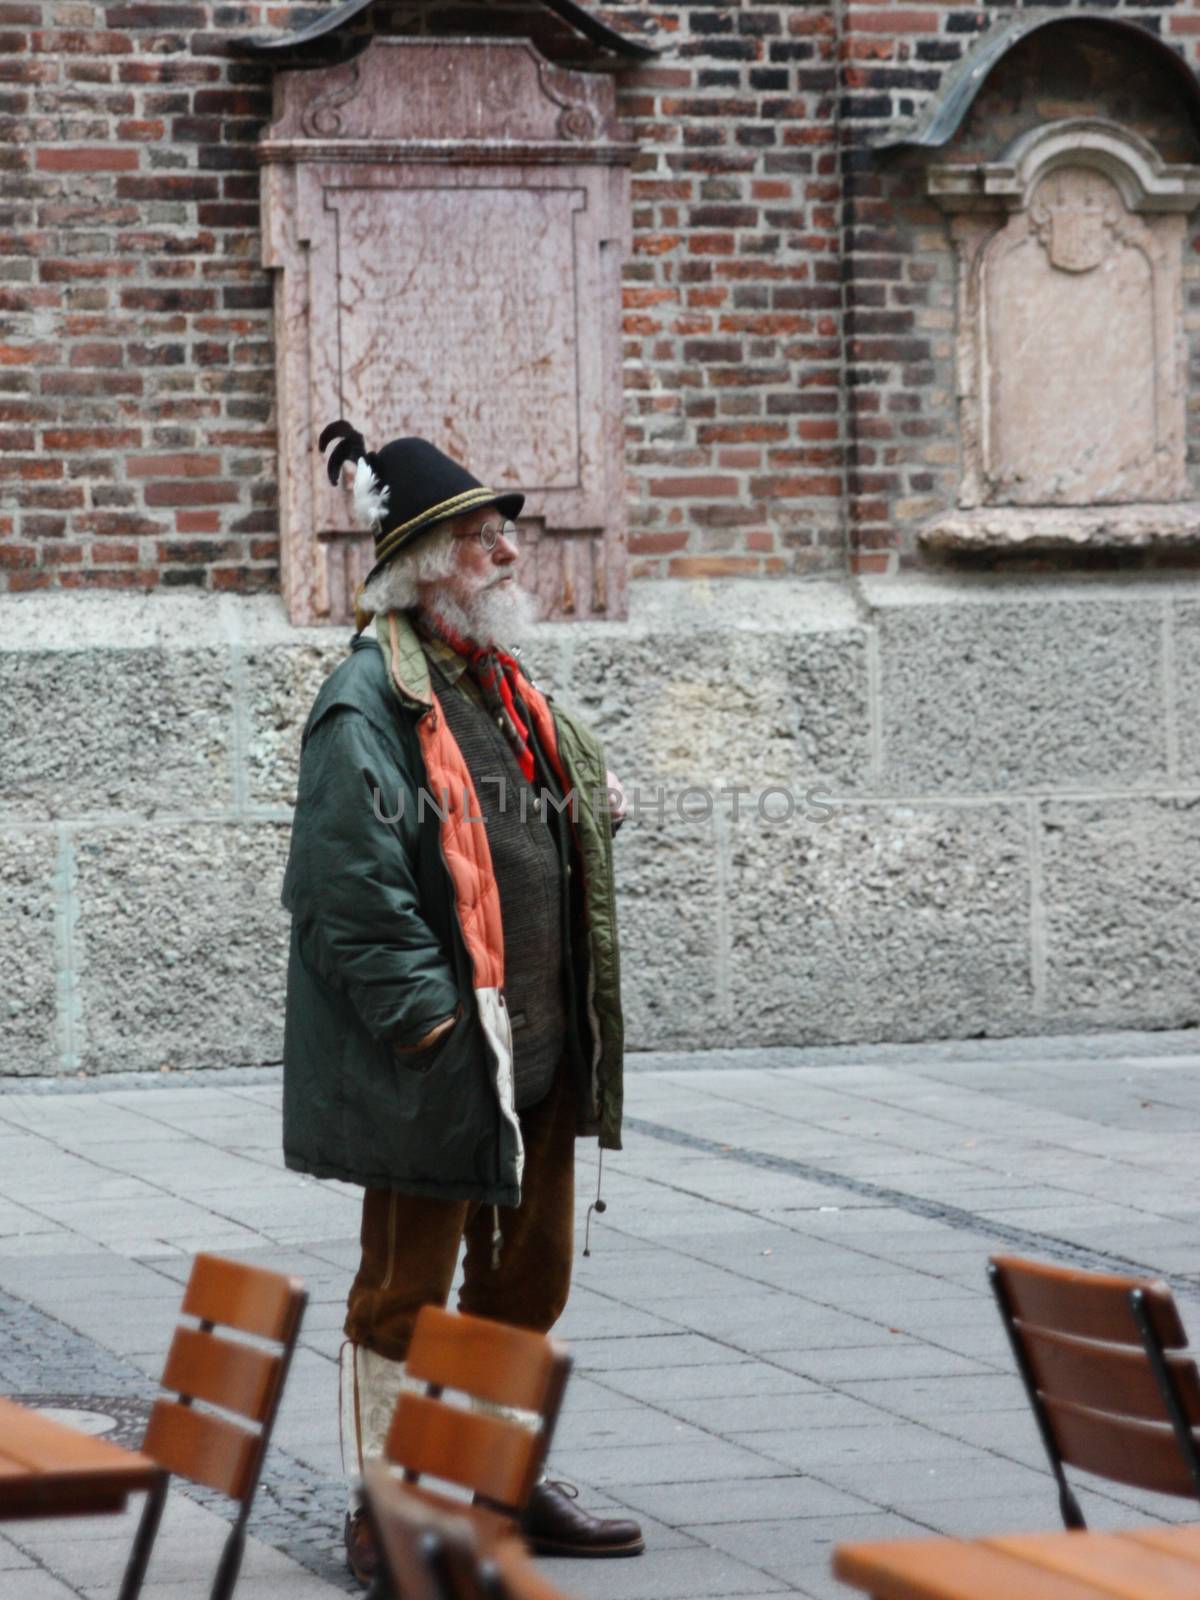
<point x="491" y="1455"/>
<point x="1144" y="1455"/>
<point x="1092" y="1305"/>
<point x="247" y="1298"/>
<point x="490" y="1360"/>
<point x="1107" y="1377"/>
<point x="203" y="1448"/>
<point x="238" y="1377"/>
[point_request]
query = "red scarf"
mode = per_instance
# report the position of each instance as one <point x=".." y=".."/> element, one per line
<point x="497" y="675"/>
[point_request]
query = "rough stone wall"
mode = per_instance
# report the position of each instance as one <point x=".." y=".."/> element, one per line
<point x="961" y="809"/>
<point x="899" y="263"/>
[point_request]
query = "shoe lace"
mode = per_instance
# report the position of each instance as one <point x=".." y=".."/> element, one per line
<point x="571" y="1490"/>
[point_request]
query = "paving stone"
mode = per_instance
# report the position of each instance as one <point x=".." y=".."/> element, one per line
<point x="40" y="1585"/>
<point x="13" y="1559"/>
<point x="713" y="1381"/>
<point x="745" y="1416"/>
<point x="689" y="1574"/>
<point x="696" y="1460"/>
<point x="799" y="1554"/>
<point x="740" y="1500"/>
<point x="744" y="1464"/>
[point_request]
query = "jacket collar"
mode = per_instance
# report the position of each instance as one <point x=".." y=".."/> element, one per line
<point x="404" y="658"/>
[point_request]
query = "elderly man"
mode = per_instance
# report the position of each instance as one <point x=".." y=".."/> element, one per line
<point x="453" y="1010"/>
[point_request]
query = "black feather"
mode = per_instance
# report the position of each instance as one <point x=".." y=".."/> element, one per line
<point x="352" y="447"/>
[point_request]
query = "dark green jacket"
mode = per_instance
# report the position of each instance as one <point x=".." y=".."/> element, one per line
<point x="377" y="956"/>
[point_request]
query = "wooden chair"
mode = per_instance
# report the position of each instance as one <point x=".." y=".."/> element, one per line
<point x="428" y="1553"/>
<point x="495" y="1457"/>
<point x="510" y="1573"/>
<point x="1098" y="1354"/>
<point x="240" y="1378"/>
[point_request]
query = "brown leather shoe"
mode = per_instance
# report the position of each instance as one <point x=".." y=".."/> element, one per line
<point x="555" y="1526"/>
<point x="361" y="1555"/>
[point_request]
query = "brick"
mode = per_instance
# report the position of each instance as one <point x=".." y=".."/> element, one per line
<point x="712" y="566"/>
<point x="696" y="488"/>
<point x="190" y="493"/>
<point x="71" y="440"/>
<point x="104" y="552"/>
<point x="97" y="354"/>
<point x="167" y="186"/>
<point x="172" y="466"/>
<point x="94" y="158"/>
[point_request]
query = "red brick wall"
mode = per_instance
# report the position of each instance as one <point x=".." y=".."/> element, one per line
<point x="764" y="427"/>
<point x="136" y="382"/>
<point x="733" y="296"/>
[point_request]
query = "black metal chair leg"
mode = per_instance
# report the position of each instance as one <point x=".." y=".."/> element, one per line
<point x="1068" y="1505"/>
<point x="139" y="1556"/>
<point x="230" y="1564"/>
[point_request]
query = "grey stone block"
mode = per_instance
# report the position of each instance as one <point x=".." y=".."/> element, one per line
<point x="984" y="696"/>
<point x="106" y="728"/>
<point x="281" y="682"/>
<point x="885" y="922"/>
<point x="1185" y="623"/>
<point x="182" y="946"/>
<point x="1122" y="912"/>
<point x="668" y="913"/>
<point x="727" y="705"/>
<point x="28" y="1044"/>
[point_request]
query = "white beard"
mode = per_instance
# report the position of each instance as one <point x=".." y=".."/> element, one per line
<point x="501" y="615"/>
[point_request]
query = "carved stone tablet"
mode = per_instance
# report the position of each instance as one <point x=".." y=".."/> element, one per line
<point x="1076" y="414"/>
<point x="449" y="218"/>
<point x="1071" y="347"/>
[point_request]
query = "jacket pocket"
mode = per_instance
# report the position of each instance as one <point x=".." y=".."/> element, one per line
<point x="421" y="1061"/>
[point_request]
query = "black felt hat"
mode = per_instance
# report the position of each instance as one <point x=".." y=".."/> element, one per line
<point x="406" y="487"/>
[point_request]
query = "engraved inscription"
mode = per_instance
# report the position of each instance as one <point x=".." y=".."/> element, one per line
<point x="457" y="321"/>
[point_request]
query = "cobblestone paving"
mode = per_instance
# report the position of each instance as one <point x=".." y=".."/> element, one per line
<point x="783" y="1335"/>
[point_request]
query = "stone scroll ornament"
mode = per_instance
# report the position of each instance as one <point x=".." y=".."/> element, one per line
<point x="1069" y="435"/>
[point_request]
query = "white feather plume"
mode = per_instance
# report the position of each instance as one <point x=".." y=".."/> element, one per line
<point x="370" y="500"/>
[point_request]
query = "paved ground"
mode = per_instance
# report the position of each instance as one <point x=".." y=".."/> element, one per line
<point x="783" y="1334"/>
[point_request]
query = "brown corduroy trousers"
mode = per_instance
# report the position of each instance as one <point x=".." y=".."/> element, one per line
<point x="410" y="1244"/>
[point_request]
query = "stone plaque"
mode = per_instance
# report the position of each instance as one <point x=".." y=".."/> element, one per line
<point x="511" y="409"/>
<point x="1071" y="349"/>
<point x="448" y="218"/>
<point x="1077" y="416"/>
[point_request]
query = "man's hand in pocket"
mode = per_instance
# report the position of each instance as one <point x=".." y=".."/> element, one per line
<point x="435" y="1033"/>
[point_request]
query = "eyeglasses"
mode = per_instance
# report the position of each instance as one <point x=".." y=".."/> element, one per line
<point x="491" y="534"/>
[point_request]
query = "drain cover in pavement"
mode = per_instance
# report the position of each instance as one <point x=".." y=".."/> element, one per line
<point x="121" y="1418"/>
